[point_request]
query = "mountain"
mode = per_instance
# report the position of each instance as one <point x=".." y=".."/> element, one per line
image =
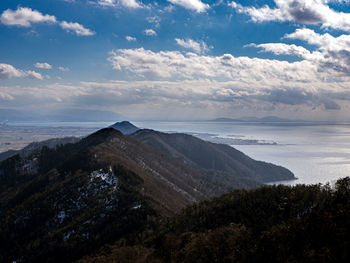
<point x="219" y="161"/>
<point x="125" y="127"/>
<point x="61" y="203"/>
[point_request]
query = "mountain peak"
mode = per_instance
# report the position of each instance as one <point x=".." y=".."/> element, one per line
<point x="124" y="127"/>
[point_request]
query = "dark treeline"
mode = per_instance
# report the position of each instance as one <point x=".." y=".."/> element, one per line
<point x="269" y="224"/>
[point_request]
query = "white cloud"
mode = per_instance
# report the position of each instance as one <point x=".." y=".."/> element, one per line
<point x="149" y="32"/>
<point x="8" y="71"/>
<point x="34" y="74"/>
<point x="130" y="3"/>
<point x="331" y="56"/>
<point x="195" y="5"/>
<point x="311" y="12"/>
<point x="333" y="52"/>
<point x="283" y="49"/>
<point x="43" y="65"/>
<point x="63" y="69"/>
<point x="24" y="17"/>
<point x="107" y="2"/>
<point x="130" y="38"/>
<point x="77" y="28"/>
<point x="188" y="43"/>
<point x="125" y="3"/>
<point x="264" y="13"/>
<point x="325" y="41"/>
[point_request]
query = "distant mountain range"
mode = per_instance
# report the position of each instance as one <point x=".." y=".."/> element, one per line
<point x="63" y="199"/>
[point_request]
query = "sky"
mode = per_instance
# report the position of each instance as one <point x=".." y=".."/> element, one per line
<point x="177" y="59"/>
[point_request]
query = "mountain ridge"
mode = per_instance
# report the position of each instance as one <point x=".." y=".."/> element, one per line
<point x="73" y="199"/>
<point x="203" y="155"/>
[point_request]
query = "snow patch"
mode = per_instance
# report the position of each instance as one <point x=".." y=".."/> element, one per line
<point x="108" y="177"/>
<point x="136" y="207"/>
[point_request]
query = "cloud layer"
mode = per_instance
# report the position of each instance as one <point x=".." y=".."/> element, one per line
<point x="174" y="64"/>
<point x="319" y="80"/>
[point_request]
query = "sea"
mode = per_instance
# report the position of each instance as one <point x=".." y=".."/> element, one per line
<point x="315" y="152"/>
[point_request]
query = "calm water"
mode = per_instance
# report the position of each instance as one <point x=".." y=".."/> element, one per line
<point x="314" y="153"/>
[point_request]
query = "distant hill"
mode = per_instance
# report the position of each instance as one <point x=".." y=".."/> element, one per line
<point x="221" y="162"/>
<point x="124" y="127"/>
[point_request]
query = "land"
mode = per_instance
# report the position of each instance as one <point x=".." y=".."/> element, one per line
<point x="160" y="197"/>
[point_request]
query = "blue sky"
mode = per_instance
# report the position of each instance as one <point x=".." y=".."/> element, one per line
<point x="177" y="59"/>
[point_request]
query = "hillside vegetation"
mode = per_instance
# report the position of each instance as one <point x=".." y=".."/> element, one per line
<point x="221" y="162"/>
<point x="268" y="224"/>
<point x="110" y="193"/>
